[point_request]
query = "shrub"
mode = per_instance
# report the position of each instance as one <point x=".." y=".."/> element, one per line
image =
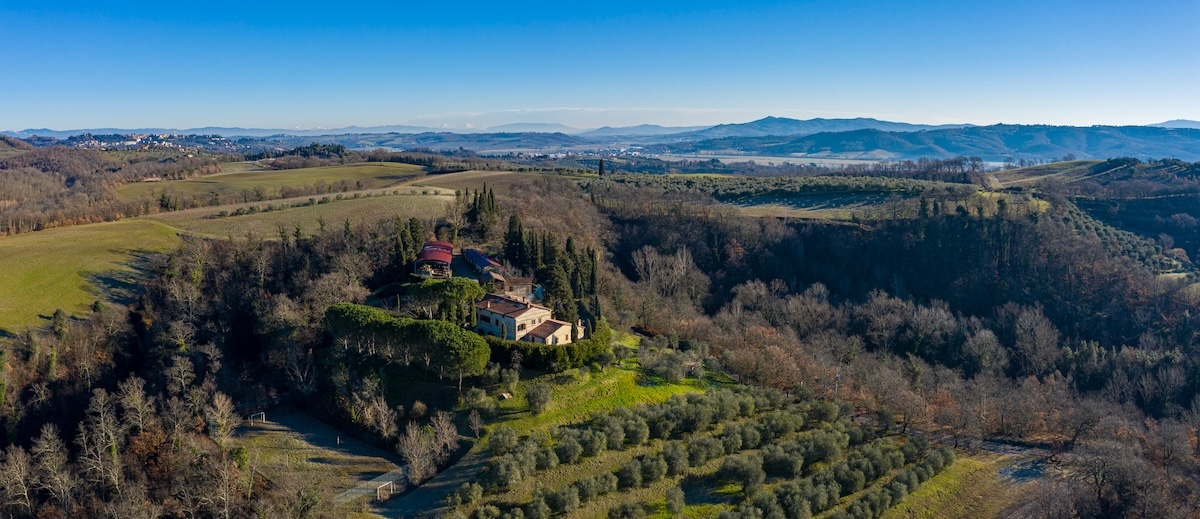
<point x="538" y="395"/>
<point x="705" y="449"/>
<point x="676" y="456"/>
<point x="547" y="459"/>
<point x="654" y="468"/>
<point x="630" y="474"/>
<point x="564" y="501"/>
<point x="486" y="512"/>
<point x="627" y="511"/>
<point x="636" y="430"/>
<point x="593" y="442"/>
<point x="568" y="450"/>
<point x="675" y="502"/>
<point x="502" y="440"/>
<point x="777" y="461"/>
<point x="745" y="469"/>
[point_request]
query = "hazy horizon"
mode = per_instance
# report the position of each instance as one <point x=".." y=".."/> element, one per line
<point x="587" y="65"/>
<point x="594" y="119"/>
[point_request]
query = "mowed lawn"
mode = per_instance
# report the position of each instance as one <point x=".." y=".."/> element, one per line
<point x="208" y="222"/>
<point x="239" y="176"/>
<point x="71" y="267"/>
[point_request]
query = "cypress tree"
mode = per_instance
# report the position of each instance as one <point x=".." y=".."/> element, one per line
<point x="593" y="272"/>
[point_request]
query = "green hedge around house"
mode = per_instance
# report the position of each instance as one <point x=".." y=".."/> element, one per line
<point x="547" y="357"/>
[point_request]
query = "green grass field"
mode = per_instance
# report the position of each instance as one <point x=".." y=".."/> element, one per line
<point x="235" y="177"/>
<point x="577" y="400"/>
<point x="970" y="488"/>
<point x="208" y="222"/>
<point x="71" y="267"/>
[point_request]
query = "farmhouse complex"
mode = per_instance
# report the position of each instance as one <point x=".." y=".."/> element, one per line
<point x="519" y="320"/>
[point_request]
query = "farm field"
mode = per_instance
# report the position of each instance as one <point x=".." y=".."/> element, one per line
<point x="70" y="267"/>
<point x="239" y="176"/>
<point x="823" y="206"/>
<point x="971" y="488"/>
<point x="1064" y="171"/>
<point x="501" y="181"/>
<point x="208" y="222"/>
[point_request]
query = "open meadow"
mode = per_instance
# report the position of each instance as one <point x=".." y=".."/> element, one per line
<point x="502" y="182"/>
<point x="239" y="176"/>
<point x="265" y="222"/>
<point x="70" y="267"/>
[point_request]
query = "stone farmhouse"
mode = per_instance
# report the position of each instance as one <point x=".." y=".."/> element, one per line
<point x="519" y="320"/>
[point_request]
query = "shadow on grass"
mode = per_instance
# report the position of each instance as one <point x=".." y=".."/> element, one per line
<point x="122" y="286"/>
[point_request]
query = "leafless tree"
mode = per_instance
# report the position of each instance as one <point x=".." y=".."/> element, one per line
<point x="177" y="417"/>
<point x="416" y="447"/>
<point x="445" y="435"/>
<point x="1037" y="341"/>
<point x="100" y="438"/>
<point x="17" y="478"/>
<point x="138" y="408"/>
<point x="180" y="375"/>
<point x="53" y="474"/>
<point x="476" y="422"/>
<point x="222" y="418"/>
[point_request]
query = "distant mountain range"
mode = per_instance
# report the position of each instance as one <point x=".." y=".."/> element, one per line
<point x="771" y="136"/>
<point x="783" y="126"/>
<point x="992" y="143"/>
<point x="1178" y="123"/>
<point x="761" y="127"/>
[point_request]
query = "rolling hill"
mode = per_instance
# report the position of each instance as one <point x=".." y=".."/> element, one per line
<point x="1178" y="123"/>
<point x="993" y="143"/>
<point x="782" y="126"/>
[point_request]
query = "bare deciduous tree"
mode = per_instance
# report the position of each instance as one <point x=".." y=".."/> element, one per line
<point x="180" y="375"/>
<point x="100" y="438"/>
<point x="17" y="478"/>
<point x="476" y="422"/>
<point x="137" y="407"/>
<point x="53" y="474"/>
<point x="445" y="435"/>
<point x="222" y="418"/>
<point x="416" y="447"/>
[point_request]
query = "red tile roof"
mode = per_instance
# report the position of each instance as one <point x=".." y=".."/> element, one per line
<point x="506" y="306"/>
<point x="548" y="328"/>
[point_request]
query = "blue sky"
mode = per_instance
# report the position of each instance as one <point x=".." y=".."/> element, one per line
<point x="588" y="64"/>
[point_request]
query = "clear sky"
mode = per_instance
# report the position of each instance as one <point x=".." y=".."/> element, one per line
<point x="585" y="64"/>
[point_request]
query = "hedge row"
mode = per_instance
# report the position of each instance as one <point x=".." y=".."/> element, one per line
<point x="553" y="357"/>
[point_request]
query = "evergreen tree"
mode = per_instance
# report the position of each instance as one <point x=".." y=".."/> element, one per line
<point x="593" y="274"/>
<point x="514" y="243"/>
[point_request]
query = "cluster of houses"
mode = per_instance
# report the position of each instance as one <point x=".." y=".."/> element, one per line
<point x="509" y="311"/>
